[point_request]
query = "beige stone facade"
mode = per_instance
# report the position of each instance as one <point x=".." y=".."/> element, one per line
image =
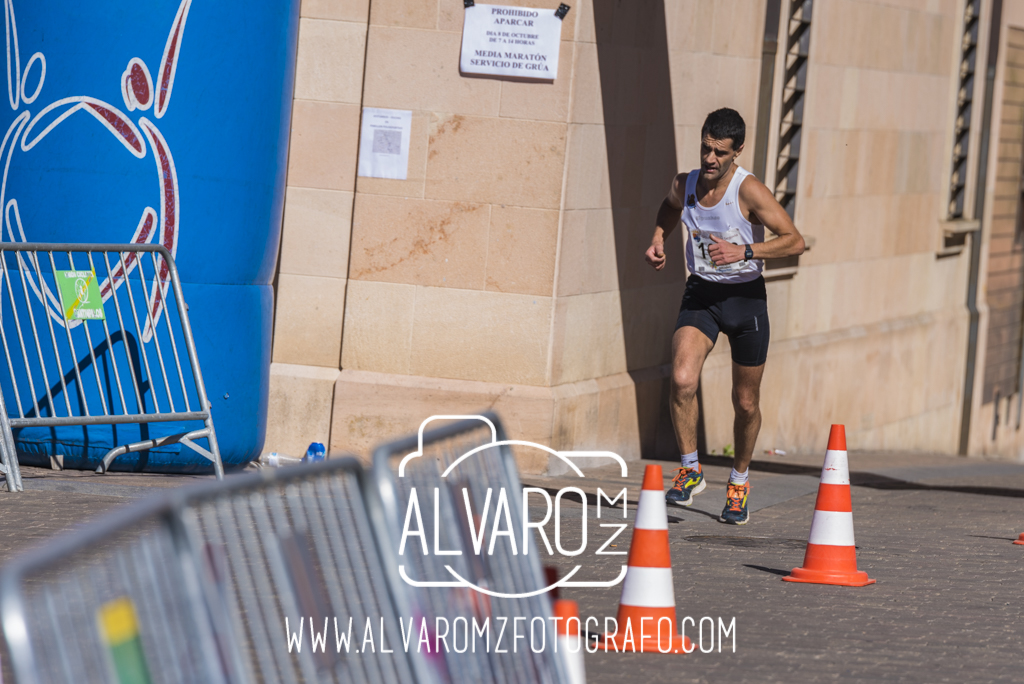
<point x="996" y="428"/>
<point x="871" y="331"/>
<point x="507" y="271"/>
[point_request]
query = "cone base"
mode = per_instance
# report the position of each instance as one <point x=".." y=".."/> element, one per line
<point x="843" y="579"/>
<point x="1020" y="540"/>
<point x="680" y="644"/>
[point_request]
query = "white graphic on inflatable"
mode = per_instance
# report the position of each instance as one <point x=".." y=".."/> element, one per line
<point x="137" y="90"/>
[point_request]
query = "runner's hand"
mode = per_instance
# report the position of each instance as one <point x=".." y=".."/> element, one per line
<point x="723" y="252"/>
<point x="656" y="256"/>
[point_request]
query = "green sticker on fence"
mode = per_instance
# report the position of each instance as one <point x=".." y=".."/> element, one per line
<point x="80" y="294"/>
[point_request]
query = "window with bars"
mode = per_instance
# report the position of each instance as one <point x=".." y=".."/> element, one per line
<point x="964" y="108"/>
<point x="796" y="26"/>
<point x="957" y="226"/>
<point x="798" y="42"/>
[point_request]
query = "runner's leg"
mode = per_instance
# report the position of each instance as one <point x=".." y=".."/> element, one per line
<point x="746" y="397"/>
<point x="690" y="347"/>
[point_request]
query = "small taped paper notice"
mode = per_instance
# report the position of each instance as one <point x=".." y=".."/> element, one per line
<point x="384" y="143"/>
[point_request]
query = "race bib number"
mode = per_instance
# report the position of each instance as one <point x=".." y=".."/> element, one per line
<point x="702" y="242"/>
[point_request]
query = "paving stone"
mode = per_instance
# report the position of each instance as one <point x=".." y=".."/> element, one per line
<point x="934" y="531"/>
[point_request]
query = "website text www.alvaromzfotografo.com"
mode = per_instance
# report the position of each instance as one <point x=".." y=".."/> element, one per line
<point x="498" y="634"/>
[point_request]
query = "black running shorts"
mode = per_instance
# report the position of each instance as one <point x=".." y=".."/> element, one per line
<point x="740" y="310"/>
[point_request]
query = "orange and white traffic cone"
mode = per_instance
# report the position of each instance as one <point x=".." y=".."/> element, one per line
<point x="1020" y="539"/>
<point x="831" y="556"/>
<point x="647" y="610"/>
<point x="570" y="642"/>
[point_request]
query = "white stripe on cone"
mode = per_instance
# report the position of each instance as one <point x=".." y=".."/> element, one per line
<point x="572" y="647"/>
<point x="650" y="511"/>
<point x="836" y="470"/>
<point x="831" y="528"/>
<point x="648" y="588"/>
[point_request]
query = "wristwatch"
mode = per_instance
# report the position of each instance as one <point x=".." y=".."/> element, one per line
<point x="749" y="253"/>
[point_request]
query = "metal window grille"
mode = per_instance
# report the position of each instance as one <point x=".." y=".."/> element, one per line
<point x="964" y="108"/>
<point x="798" y="42"/>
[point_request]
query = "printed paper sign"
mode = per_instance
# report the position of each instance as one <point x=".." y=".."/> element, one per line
<point x="511" y="41"/>
<point x="80" y="295"/>
<point x="384" y="143"/>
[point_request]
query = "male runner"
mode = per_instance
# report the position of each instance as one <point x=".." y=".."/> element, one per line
<point x="724" y="211"/>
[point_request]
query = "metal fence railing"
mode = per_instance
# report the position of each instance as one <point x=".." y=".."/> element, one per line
<point x="431" y="462"/>
<point x="293" y="575"/>
<point x="121" y="600"/>
<point x="299" y="546"/>
<point x="213" y="584"/>
<point x="97" y="335"/>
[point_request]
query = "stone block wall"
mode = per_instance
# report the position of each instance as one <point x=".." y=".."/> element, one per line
<point x="313" y="267"/>
<point x="871" y="331"/>
<point x="995" y="431"/>
<point x="507" y="271"/>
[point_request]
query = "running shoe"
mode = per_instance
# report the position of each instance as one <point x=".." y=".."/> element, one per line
<point x="687" y="483"/>
<point x="735" y="512"/>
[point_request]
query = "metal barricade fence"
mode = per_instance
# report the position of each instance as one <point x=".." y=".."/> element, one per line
<point x="73" y="361"/>
<point x="119" y="600"/>
<point x="298" y="545"/>
<point x="424" y="466"/>
<point x="208" y="576"/>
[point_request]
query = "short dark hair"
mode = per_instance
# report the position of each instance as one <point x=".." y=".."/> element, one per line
<point x="725" y="123"/>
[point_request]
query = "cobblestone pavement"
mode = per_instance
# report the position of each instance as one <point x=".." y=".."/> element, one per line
<point x="55" y="501"/>
<point x="934" y="531"/>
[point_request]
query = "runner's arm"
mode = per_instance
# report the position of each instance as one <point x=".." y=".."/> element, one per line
<point x="668" y="217"/>
<point x="762" y="207"/>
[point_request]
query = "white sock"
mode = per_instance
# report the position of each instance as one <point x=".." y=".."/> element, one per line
<point x="739" y="478"/>
<point x="689" y="460"/>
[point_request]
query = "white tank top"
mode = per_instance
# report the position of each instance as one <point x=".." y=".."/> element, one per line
<point x="727" y="222"/>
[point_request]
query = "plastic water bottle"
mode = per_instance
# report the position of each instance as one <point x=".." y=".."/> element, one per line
<point x="276" y="460"/>
<point x="315" y="453"/>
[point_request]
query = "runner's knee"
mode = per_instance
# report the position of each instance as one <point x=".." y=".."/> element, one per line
<point x="745" y="402"/>
<point x="684" y="383"/>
